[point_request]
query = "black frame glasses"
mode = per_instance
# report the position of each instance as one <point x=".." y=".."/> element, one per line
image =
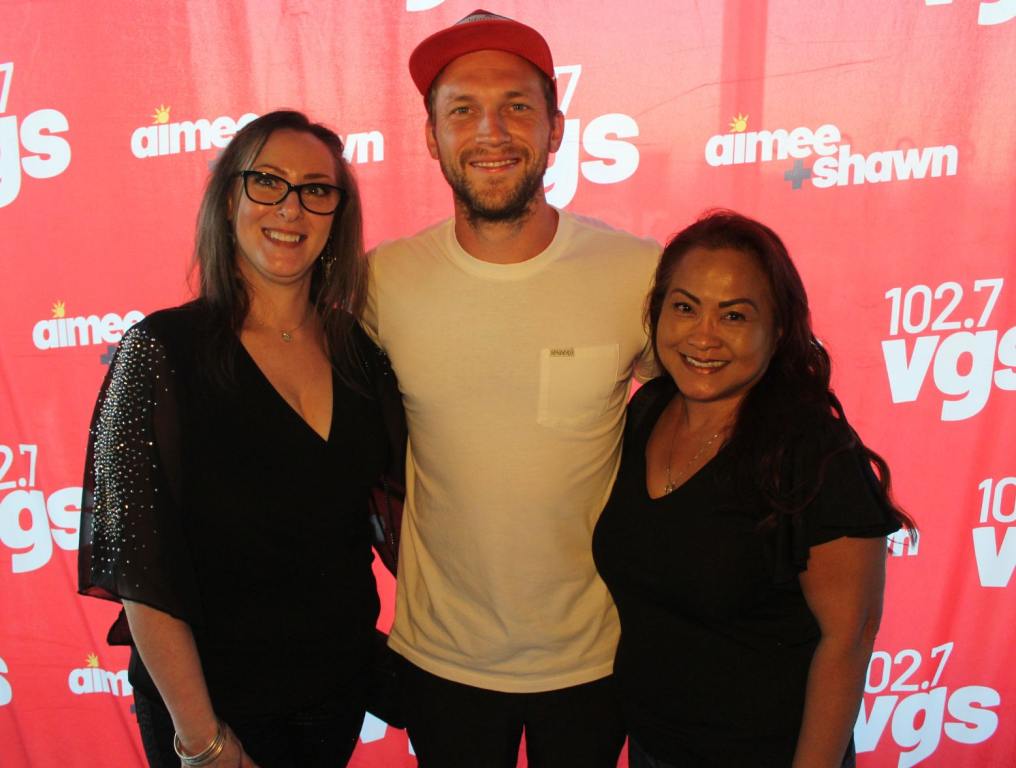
<point x="300" y="189"/>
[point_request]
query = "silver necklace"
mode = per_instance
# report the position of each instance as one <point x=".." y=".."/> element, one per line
<point x="671" y="486"/>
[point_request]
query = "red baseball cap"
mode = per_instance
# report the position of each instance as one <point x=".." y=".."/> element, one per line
<point x="479" y="31"/>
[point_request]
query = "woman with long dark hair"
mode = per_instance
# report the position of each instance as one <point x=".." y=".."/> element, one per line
<point x="744" y="539"/>
<point x="232" y="451"/>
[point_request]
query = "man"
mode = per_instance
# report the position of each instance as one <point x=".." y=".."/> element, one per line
<point x="513" y="329"/>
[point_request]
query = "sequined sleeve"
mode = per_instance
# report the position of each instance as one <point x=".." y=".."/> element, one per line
<point x="132" y="542"/>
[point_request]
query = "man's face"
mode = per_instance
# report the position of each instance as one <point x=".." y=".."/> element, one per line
<point x="492" y="134"/>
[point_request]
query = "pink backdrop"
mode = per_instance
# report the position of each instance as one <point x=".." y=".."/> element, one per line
<point x="878" y="138"/>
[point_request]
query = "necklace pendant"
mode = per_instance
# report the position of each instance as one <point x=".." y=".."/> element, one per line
<point x="287" y="336"/>
<point x="669" y="488"/>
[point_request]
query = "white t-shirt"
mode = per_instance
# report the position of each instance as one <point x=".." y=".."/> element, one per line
<point x="515" y="379"/>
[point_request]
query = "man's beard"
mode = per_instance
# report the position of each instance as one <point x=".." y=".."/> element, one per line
<point x="495" y="207"/>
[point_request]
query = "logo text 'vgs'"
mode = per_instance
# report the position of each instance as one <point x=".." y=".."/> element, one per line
<point x="946" y="336"/>
<point x="29" y="144"/>
<point x="835" y="164"/>
<point x="612" y="159"/>
<point x="911" y="706"/>
<point x="32" y="521"/>
<point x="995" y="536"/>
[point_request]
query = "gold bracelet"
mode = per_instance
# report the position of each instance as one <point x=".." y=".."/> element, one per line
<point x="206" y="755"/>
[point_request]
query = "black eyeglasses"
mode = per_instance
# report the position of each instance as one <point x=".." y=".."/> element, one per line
<point x="315" y="197"/>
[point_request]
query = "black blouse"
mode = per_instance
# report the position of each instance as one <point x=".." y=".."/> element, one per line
<point x="219" y="505"/>
<point x="716" y="636"/>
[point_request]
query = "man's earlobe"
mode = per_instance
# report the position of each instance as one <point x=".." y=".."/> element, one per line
<point x="431" y="139"/>
<point x="556" y="130"/>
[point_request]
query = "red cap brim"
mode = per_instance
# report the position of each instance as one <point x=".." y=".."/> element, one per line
<point x="493" y="34"/>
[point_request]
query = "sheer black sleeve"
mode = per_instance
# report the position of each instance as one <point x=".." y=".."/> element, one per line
<point x="132" y="544"/>
<point x="389" y="492"/>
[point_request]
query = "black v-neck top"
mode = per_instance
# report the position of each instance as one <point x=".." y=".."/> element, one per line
<point x="219" y="505"/>
<point x="716" y="636"/>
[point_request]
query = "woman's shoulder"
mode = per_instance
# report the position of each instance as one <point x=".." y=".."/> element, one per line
<point x="360" y="339"/>
<point x="653" y="391"/>
<point x="821" y="432"/>
<point x="815" y="443"/>
<point x="172" y="326"/>
<point x="174" y="320"/>
<point x="649" y="397"/>
<point x="170" y="322"/>
<point x="849" y="493"/>
<point x="167" y="334"/>
<point x="355" y="352"/>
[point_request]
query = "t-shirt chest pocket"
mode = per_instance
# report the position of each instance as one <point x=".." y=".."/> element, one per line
<point x="576" y="384"/>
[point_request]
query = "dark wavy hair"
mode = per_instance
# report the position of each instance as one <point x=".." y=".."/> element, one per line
<point x="792" y="402"/>
<point x="338" y="287"/>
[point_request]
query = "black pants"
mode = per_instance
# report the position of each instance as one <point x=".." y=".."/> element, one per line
<point x="323" y="736"/>
<point x="458" y="726"/>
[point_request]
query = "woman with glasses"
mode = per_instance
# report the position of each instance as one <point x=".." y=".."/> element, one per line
<point x="233" y="448"/>
<point x="743" y="542"/>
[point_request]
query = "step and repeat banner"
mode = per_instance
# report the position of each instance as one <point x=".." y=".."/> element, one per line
<point x="876" y="137"/>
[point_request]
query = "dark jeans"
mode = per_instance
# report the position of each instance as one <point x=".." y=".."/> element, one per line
<point x="323" y="736"/>
<point x="639" y="758"/>
<point x="458" y="726"/>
